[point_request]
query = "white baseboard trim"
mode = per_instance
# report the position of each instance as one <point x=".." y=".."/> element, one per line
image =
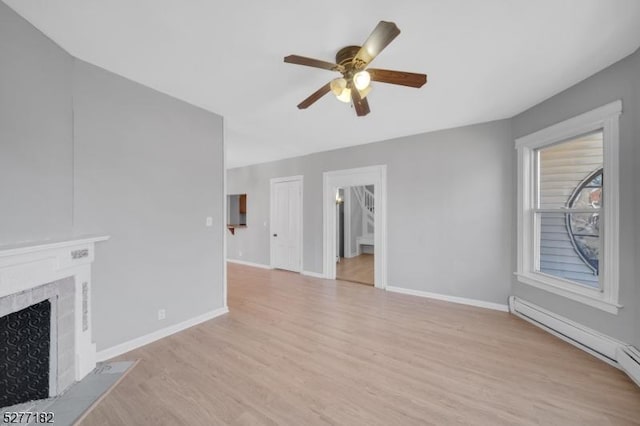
<point x="243" y="262"/>
<point x="597" y="344"/>
<point x="122" y="348"/>
<point x="312" y="274"/>
<point x="452" y="299"/>
<point x="629" y="360"/>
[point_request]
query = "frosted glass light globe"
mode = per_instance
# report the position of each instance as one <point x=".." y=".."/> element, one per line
<point x="362" y="80"/>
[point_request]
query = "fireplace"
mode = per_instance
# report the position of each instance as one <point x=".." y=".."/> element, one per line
<point x="18" y="308"/>
<point x="45" y="321"/>
<point x="25" y="345"/>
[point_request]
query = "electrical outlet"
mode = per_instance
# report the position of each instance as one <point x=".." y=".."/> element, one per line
<point x="162" y="314"/>
<point x="239" y="253"/>
<point x="209" y="221"/>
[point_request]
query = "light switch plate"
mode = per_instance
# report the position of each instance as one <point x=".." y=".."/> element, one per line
<point x="209" y="221"/>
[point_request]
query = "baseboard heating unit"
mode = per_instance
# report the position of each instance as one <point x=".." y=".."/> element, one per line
<point x="608" y="349"/>
<point x="629" y="360"/>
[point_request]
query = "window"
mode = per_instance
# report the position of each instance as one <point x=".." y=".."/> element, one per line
<point x="568" y="208"/>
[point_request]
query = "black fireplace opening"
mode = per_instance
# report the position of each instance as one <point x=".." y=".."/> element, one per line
<point x="25" y="338"/>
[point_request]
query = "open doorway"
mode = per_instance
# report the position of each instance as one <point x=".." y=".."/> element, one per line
<point x="369" y="240"/>
<point x="355" y="220"/>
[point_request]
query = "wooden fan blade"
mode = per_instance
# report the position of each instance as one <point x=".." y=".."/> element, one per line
<point x="360" y="104"/>
<point x="315" y="96"/>
<point x="310" y="62"/>
<point x="402" y="78"/>
<point x="382" y="35"/>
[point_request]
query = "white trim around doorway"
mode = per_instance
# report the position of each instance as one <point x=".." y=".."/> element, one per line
<point x="373" y="175"/>
<point x="349" y="251"/>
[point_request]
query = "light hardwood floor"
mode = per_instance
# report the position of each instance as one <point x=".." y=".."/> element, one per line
<point x="359" y="269"/>
<point x="302" y="351"/>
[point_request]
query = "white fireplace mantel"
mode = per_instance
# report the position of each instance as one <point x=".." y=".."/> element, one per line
<point x="29" y="265"/>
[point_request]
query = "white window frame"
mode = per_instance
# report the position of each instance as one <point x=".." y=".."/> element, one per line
<point x="605" y="118"/>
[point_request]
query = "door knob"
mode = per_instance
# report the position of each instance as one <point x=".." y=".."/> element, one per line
<point x="275" y="235"/>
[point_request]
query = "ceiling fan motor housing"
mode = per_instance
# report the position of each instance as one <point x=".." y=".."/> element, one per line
<point x="345" y="57"/>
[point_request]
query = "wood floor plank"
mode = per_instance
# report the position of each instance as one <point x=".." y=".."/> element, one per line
<point x="299" y="350"/>
<point x="359" y="269"/>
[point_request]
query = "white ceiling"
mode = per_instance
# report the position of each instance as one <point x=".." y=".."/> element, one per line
<point x="486" y="60"/>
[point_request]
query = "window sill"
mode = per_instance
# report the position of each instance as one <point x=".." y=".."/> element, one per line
<point x="595" y="300"/>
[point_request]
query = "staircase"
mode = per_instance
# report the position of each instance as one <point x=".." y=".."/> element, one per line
<point x="366" y="199"/>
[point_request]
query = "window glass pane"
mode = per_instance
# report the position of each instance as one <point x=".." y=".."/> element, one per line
<point x="587" y="198"/>
<point x="563" y="167"/>
<point x="563" y="254"/>
<point x="584" y="224"/>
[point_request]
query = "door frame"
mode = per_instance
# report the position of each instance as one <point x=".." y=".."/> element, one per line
<point x="347" y="222"/>
<point x="376" y="175"/>
<point x="272" y="208"/>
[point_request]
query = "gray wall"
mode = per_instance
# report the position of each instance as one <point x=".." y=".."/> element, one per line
<point x="636" y="95"/>
<point x="619" y="81"/>
<point x="36" y="150"/>
<point x="233" y="205"/>
<point x="149" y="170"/>
<point x="142" y="167"/>
<point x="451" y="197"/>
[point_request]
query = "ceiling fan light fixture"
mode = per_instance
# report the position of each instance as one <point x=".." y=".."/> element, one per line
<point x="351" y="62"/>
<point x="361" y="80"/>
<point x="364" y="92"/>
<point x="338" y="85"/>
<point x="344" y="96"/>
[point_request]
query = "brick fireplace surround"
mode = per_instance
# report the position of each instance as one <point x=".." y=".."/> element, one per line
<point x="58" y="271"/>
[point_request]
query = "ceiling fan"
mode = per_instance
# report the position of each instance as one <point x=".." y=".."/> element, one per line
<point x="352" y="62"/>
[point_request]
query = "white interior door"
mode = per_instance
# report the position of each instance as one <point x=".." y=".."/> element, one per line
<point x="286" y="224"/>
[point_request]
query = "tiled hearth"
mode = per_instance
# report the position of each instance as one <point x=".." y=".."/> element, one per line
<point x="59" y="272"/>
